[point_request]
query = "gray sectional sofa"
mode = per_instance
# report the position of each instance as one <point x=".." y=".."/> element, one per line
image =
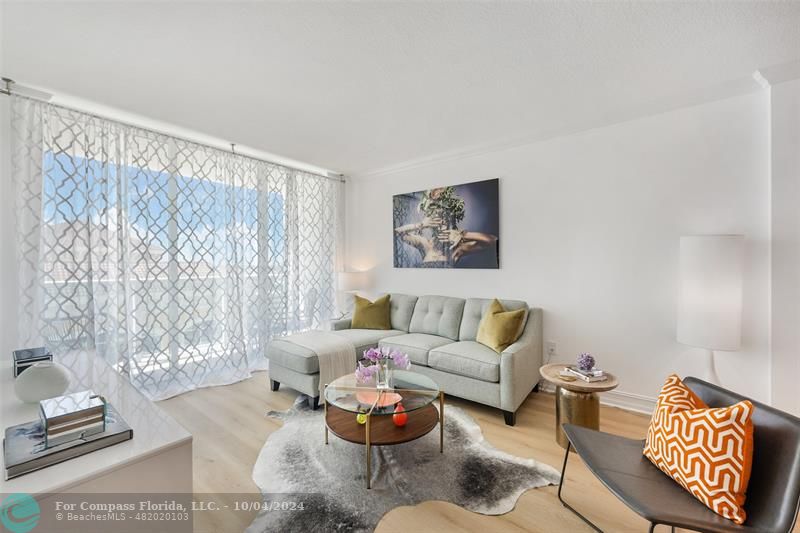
<point x="438" y="333"/>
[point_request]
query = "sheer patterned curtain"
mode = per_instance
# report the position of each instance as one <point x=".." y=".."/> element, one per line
<point x="174" y="261"/>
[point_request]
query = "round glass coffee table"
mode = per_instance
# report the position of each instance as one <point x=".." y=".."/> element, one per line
<point x="345" y="399"/>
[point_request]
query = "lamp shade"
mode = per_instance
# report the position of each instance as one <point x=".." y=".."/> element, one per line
<point x="351" y="281"/>
<point x="710" y="292"/>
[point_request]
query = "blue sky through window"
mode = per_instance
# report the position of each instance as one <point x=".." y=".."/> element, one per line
<point x="78" y="189"/>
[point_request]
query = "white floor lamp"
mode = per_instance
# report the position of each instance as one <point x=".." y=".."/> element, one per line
<point x="710" y="295"/>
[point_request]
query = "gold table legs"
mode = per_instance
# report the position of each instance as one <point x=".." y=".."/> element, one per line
<point x="441" y="422"/>
<point x="579" y="408"/>
<point x="325" y="407"/>
<point x="369" y="455"/>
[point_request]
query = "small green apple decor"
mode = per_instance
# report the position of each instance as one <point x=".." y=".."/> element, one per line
<point x="400" y="417"/>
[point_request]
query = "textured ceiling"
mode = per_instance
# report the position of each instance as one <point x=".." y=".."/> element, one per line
<point x="363" y="86"/>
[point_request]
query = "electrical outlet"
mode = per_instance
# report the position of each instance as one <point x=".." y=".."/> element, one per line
<point x="550" y="349"/>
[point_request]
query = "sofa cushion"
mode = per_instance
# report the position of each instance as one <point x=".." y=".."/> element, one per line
<point x="500" y="328"/>
<point x="402" y="308"/>
<point x="475" y="308"/>
<point x="437" y="315"/>
<point x="371" y="315"/>
<point x="467" y="358"/>
<point x="292" y="356"/>
<point x="416" y="345"/>
<point x="708" y="451"/>
<point x="364" y="339"/>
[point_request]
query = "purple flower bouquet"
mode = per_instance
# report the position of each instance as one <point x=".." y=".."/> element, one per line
<point x="380" y="369"/>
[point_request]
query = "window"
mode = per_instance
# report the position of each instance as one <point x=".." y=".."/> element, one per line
<point x="175" y="261"/>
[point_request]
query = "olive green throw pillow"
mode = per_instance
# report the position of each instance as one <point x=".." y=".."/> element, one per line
<point x="371" y="315"/>
<point x="500" y="328"/>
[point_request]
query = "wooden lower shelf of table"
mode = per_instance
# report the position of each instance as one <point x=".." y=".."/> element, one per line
<point x="383" y="432"/>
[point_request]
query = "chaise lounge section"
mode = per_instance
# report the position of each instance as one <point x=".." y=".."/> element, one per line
<point x="439" y="335"/>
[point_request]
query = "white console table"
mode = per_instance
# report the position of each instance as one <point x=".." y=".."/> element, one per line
<point x="157" y="460"/>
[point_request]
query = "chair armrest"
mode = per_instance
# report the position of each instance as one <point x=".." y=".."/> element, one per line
<point x="341" y="323"/>
<point x="520" y="363"/>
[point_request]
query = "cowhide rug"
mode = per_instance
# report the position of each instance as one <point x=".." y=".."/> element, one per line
<point x="327" y="485"/>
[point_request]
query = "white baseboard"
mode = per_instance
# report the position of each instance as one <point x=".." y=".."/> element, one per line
<point x="616" y="398"/>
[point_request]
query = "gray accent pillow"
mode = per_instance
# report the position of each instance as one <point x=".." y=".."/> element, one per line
<point x="474" y="309"/>
<point x="437" y="315"/>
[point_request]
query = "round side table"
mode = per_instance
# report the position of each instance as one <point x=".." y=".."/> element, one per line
<point x="577" y="401"/>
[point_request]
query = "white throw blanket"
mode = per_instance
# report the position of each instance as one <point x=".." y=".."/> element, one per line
<point x="337" y="356"/>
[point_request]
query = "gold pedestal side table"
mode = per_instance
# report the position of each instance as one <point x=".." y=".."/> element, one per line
<point x="577" y="401"/>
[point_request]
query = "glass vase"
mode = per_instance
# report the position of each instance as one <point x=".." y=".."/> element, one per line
<point x="383" y="379"/>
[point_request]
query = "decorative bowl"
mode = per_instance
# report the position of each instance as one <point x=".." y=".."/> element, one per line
<point x="368" y="398"/>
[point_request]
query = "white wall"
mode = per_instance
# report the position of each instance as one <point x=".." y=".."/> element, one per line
<point x="785" y="102"/>
<point x="589" y="232"/>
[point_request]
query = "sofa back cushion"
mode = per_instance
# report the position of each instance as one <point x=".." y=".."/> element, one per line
<point x="475" y="308"/>
<point x="402" y="307"/>
<point x="437" y="315"/>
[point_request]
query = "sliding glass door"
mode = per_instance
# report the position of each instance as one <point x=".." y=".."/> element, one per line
<point x="175" y="261"/>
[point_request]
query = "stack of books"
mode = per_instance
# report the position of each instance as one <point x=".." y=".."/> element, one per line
<point x="25" y="358"/>
<point x="73" y="416"/>
<point x="590" y="376"/>
<point x="60" y="434"/>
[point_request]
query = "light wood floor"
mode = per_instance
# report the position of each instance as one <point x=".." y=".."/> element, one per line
<point x="230" y="428"/>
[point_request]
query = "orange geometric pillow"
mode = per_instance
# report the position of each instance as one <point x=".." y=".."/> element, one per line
<point x="708" y="451"/>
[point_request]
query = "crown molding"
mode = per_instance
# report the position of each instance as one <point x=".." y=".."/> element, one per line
<point x="167" y="128"/>
<point x="775" y="74"/>
<point x="721" y="91"/>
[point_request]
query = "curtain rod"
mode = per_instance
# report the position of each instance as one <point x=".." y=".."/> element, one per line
<point x="8" y="91"/>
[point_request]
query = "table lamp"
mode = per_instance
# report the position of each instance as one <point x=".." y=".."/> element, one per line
<point x="710" y="295"/>
<point x="348" y="284"/>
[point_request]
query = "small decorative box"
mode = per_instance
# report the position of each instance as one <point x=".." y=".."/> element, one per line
<point x="72" y="416"/>
<point x="28" y="356"/>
